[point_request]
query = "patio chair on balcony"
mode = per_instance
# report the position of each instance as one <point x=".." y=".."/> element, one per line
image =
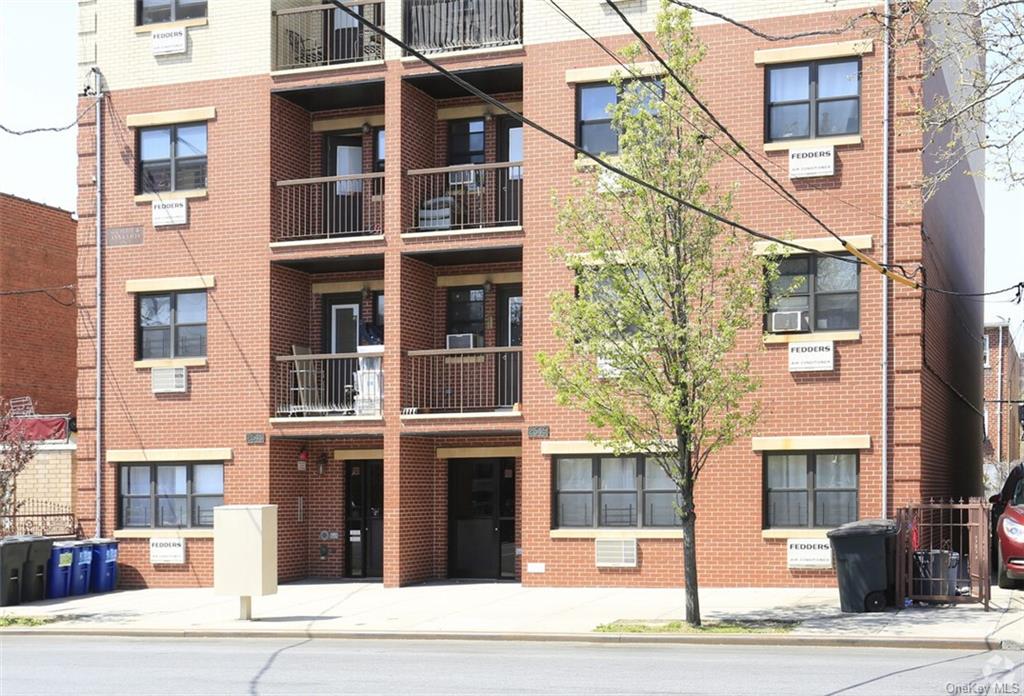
<point x="303" y="51"/>
<point x="306" y="385"/>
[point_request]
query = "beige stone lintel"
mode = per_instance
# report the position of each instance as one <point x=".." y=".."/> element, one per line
<point x="353" y="454"/>
<point x="163" y="533"/>
<point x="164" y="26"/>
<point x="451" y="113"/>
<point x="168" y="284"/>
<point x="347" y="123"/>
<point x="180" y="454"/>
<point x="616" y="534"/>
<point x="810" y="442"/>
<point x="812" y="336"/>
<point x="796" y="533"/>
<point x="170" y="362"/>
<point x="165" y="118"/>
<point x="478" y="452"/>
<point x="795" y="54"/>
<point x="549" y="447"/>
<point x="603" y="73"/>
<point x="831" y="244"/>
<point x="455" y="281"/>
<point x="834" y="140"/>
<point x="170" y="195"/>
<point x="348" y="286"/>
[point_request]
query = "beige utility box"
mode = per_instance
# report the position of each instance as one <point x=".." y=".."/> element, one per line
<point x="245" y="550"/>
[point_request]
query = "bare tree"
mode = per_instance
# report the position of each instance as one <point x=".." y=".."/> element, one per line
<point x="16" y="451"/>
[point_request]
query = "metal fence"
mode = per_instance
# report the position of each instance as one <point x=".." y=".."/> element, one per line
<point x="942" y="552"/>
<point x="318" y="35"/>
<point x="464" y="380"/>
<point x="343" y="384"/>
<point x="466" y="196"/>
<point x="42" y="517"/>
<point x="330" y="206"/>
<point x="433" y="26"/>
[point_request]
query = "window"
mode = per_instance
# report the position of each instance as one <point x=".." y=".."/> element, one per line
<point x="607" y="491"/>
<point x="466" y="141"/>
<point x="466" y="312"/>
<point x="170" y="495"/>
<point x="824" y="289"/>
<point x="172" y="158"/>
<point x="378" y="309"/>
<point x="379" y="149"/>
<point x="810" y="489"/>
<point x="172" y="325"/>
<point x="594" y="130"/>
<point x="156" y="11"/>
<point x="812" y="100"/>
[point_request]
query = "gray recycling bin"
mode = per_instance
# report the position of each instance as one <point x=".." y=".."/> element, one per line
<point x="33" y="578"/>
<point x="865" y="570"/>
<point x="13" y="554"/>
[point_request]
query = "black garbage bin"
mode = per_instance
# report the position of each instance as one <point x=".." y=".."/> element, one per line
<point x="864" y="564"/>
<point x="13" y="554"/>
<point x="33" y="577"/>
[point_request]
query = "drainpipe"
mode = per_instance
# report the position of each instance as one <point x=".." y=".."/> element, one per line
<point x="99" y="302"/>
<point x="999" y="405"/>
<point x="886" y="63"/>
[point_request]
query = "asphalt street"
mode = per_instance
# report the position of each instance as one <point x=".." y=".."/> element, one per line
<point x="40" y="665"/>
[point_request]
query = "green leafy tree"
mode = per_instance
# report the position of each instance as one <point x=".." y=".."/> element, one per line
<point x="648" y="337"/>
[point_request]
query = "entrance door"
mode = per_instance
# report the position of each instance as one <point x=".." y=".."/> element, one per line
<point x="509" y="365"/>
<point x="510" y="180"/>
<point x="340" y="372"/>
<point x="343" y="202"/>
<point x="364" y="519"/>
<point x="481" y="518"/>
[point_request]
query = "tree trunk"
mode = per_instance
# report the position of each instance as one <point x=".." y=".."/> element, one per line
<point x="690" y="559"/>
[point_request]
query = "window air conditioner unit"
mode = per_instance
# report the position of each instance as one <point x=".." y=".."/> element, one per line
<point x="788" y="322"/>
<point x="464" y="177"/>
<point x="463" y="340"/>
<point x="169" y="380"/>
<point x="615" y="553"/>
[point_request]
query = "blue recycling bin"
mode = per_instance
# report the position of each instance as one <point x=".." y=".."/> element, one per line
<point x="58" y="573"/>
<point x="104" y="565"/>
<point x="81" y="567"/>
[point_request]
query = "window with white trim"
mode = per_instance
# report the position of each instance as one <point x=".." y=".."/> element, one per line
<point x="810" y="489"/>
<point x="159" y="11"/>
<point x="171" y="494"/>
<point x="816" y="99"/>
<point x="605" y="491"/>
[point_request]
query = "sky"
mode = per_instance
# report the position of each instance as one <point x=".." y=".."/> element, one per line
<point x="38" y="81"/>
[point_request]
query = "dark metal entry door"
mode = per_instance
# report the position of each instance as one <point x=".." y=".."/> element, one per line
<point x="364" y="519"/>
<point x="481" y="518"/>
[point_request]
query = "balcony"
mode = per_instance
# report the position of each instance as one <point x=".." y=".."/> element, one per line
<point x="470" y="380"/>
<point x="323" y="35"/>
<point x="334" y="384"/>
<point x="330" y="207"/>
<point x="438" y="26"/>
<point x="466" y="196"/>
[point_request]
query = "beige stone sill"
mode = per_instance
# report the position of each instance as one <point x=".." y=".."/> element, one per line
<point x="616" y="534"/>
<point x="169" y="362"/>
<point x="455" y="233"/>
<point x="194" y="22"/>
<point x="324" y="242"/>
<point x="469" y="52"/>
<point x="163" y="533"/>
<point x="170" y="195"/>
<point x="812" y="336"/>
<point x="584" y="163"/>
<point x="458" y="416"/>
<point x="299" y="420"/>
<point x="327" y="68"/>
<point x="798" y="533"/>
<point x="813" y="142"/>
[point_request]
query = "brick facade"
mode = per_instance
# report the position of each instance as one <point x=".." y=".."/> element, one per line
<point x="264" y="302"/>
<point x="1002" y="361"/>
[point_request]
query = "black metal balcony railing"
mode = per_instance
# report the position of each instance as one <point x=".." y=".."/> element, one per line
<point x="466" y="196"/>
<point x="341" y="384"/>
<point x="464" y="380"/>
<point x="434" y="26"/>
<point x="317" y="35"/>
<point x="325" y="207"/>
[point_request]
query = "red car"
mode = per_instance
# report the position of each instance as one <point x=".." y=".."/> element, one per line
<point x="1009" y="529"/>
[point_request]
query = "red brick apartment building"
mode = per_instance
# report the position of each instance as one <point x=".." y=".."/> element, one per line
<point x="37" y="330"/>
<point x="326" y="277"/>
<point x="1003" y="386"/>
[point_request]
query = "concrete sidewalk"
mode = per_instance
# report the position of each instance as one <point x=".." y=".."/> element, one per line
<point x="509" y="610"/>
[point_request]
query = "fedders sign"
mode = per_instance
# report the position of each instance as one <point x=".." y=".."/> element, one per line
<point x="812" y="161"/>
<point x="169" y="41"/>
<point x="816" y="356"/>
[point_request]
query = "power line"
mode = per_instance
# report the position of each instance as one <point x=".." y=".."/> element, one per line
<point x="49" y="129"/>
<point x="850" y="24"/>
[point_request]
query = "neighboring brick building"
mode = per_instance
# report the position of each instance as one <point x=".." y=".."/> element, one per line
<point x="1003" y="387"/>
<point x="315" y="172"/>
<point x="37" y="330"/>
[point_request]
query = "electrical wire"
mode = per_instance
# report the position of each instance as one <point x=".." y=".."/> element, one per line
<point x="49" y="129"/>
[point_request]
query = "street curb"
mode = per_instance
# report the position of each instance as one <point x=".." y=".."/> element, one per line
<point x="765" y="639"/>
